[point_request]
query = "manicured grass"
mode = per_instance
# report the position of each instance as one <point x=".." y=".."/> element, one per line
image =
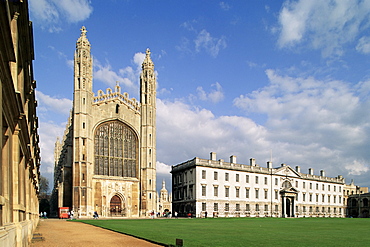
<point x="246" y="231"/>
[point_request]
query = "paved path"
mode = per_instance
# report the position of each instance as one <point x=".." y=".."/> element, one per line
<point x="62" y="233"/>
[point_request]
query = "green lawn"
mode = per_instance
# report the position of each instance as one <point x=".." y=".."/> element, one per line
<point x="246" y="231"/>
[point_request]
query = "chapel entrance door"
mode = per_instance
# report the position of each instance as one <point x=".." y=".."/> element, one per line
<point x="115" y="206"/>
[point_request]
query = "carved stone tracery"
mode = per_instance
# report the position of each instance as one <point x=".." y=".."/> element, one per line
<point x="115" y="150"/>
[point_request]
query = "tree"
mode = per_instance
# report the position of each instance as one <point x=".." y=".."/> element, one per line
<point x="44" y="185"/>
<point x="44" y="204"/>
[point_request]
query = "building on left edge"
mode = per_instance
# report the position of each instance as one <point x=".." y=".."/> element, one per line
<point x="20" y="153"/>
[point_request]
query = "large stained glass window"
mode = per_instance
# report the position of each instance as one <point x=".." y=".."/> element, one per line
<point x="116" y="150"/>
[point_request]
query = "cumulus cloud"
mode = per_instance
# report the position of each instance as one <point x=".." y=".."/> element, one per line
<point x="211" y="45"/>
<point x="51" y="14"/>
<point x="363" y="45"/>
<point x="48" y="132"/>
<point x="313" y="122"/>
<point x="357" y="168"/>
<point x="322" y="25"/>
<point x="216" y="95"/>
<point x="203" y="41"/>
<point x="162" y="168"/>
<point x="319" y="124"/>
<point x="127" y="76"/>
<point x="225" y="6"/>
<point x="106" y="74"/>
<point x="49" y="103"/>
<point x="188" y="132"/>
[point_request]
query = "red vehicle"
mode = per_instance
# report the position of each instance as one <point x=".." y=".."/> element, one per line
<point x="63" y="213"/>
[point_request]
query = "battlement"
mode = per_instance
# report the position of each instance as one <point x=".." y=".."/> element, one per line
<point x="116" y="95"/>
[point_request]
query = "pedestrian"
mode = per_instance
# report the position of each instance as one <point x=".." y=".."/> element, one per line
<point x="96" y="215"/>
<point x="45" y="215"/>
<point x="206" y="214"/>
<point x="176" y="215"/>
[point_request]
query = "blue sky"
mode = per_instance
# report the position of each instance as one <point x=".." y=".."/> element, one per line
<point x="245" y="78"/>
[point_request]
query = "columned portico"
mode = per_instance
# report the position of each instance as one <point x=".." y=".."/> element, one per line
<point x="288" y="198"/>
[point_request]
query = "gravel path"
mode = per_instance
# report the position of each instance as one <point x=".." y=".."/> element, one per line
<point x="60" y="233"/>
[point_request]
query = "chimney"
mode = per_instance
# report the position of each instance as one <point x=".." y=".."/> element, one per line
<point x="322" y="173"/>
<point x="310" y="171"/>
<point x="269" y="164"/>
<point x="252" y="162"/>
<point x="233" y="159"/>
<point x="298" y="169"/>
<point x="213" y="156"/>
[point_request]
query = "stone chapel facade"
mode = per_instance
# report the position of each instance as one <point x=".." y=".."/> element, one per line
<point x="106" y="161"/>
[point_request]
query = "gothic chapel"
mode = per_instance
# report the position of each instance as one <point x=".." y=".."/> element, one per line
<point x="106" y="161"/>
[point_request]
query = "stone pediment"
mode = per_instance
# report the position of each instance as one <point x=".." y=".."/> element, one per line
<point x="289" y="190"/>
<point x="286" y="171"/>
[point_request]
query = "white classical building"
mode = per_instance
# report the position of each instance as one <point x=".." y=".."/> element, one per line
<point x="228" y="189"/>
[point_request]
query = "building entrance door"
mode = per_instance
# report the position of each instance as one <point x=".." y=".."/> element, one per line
<point x="115" y="206"/>
<point x="287" y="209"/>
<point x="288" y="206"/>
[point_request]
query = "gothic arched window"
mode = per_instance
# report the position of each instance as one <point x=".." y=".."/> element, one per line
<point x="116" y="150"/>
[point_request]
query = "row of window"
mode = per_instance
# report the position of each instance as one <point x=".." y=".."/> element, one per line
<point x="322" y="198"/>
<point x="265" y="194"/>
<point x="265" y="181"/>
<point x="266" y="208"/>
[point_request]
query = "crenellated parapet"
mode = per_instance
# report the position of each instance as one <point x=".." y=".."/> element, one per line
<point x="110" y="96"/>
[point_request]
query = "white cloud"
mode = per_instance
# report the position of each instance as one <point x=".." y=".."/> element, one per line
<point x="225" y="6"/>
<point x="48" y="132"/>
<point x="215" y="96"/>
<point x="51" y="15"/>
<point x="317" y="123"/>
<point x="311" y="123"/>
<point x="202" y="41"/>
<point x="363" y="45"/>
<point x="48" y="103"/>
<point x="63" y="56"/>
<point x="139" y="59"/>
<point x="322" y="25"/>
<point x="43" y="10"/>
<point x="162" y="168"/>
<point x="357" y="168"/>
<point x="74" y="10"/>
<point x="105" y="74"/>
<point x="211" y="45"/>
<point x="189" y="132"/>
<point x="127" y="76"/>
<point x="189" y="25"/>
